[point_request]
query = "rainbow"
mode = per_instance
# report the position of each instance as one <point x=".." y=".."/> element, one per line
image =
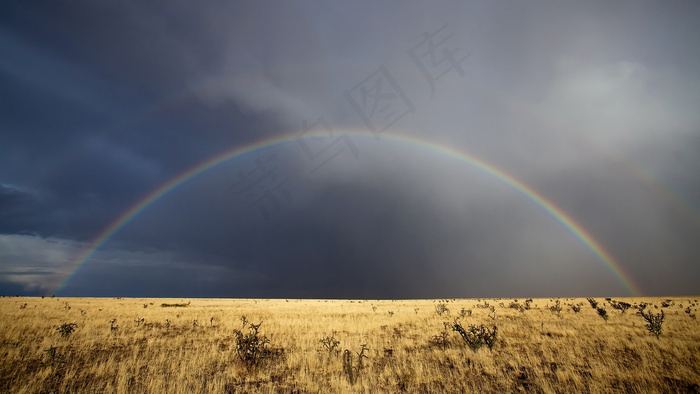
<point x="568" y="222"/>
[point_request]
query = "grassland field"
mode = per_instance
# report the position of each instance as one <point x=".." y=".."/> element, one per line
<point x="125" y="345"/>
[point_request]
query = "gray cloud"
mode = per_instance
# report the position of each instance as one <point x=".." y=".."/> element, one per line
<point x="590" y="105"/>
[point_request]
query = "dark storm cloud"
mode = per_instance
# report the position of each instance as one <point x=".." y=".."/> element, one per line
<point x="104" y="102"/>
<point x="15" y="203"/>
<point x="97" y="93"/>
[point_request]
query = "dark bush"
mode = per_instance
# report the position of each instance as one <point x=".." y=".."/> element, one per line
<point x="476" y="336"/>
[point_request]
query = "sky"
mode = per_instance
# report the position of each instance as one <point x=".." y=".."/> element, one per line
<point x="338" y="149"/>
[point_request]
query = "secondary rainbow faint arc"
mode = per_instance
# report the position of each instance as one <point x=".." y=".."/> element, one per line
<point x="474" y="161"/>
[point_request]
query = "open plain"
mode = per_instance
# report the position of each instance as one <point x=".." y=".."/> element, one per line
<point x="211" y="345"/>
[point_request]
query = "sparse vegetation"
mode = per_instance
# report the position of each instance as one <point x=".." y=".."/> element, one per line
<point x="251" y="348"/>
<point x="442" y="340"/>
<point x="492" y="313"/>
<point x="534" y="351"/>
<point x="53" y="357"/>
<point x="654" y="322"/>
<point x="485" y="305"/>
<point x="602" y="313"/>
<point x="441" y="309"/>
<point x="688" y="311"/>
<point x="594" y="303"/>
<point x="66" y="329"/>
<point x="330" y="343"/>
<point x="621" y="306"/>
<point x="641" y="307"/>
<point x="556" y="308"/>
<point x="164" y="305"/>
<point x="476" y="336"/>
<point x="352" y="370"/>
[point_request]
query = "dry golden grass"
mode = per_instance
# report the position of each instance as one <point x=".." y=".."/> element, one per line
<point x="536" y="350"/>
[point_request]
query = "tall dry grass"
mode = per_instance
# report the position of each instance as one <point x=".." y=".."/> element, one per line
<point x="536" y="350"/>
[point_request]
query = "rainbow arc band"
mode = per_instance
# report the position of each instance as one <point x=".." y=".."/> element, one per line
<point x="487" y="168"/>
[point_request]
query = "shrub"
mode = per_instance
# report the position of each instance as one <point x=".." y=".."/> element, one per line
<point x="654" y="322"/>
<point x="594" y="303"/>
<point x="330" y="343"/>
<point x="251" y="348"/>
<point x="476" y="336"/>
<point x="350" y="370"/>
<point x="602" y="313"/>
<point x="484" y="306"/>
<point x="66" y="329"/>
<point x="621" y="306"/>
<point x="556" y="308"/>
<point x="443" y="339"/>
<point x="689" y="312"/>
<point x="441" y="308"/>
<point x="173" y="305"/>
<point x="54" y="358"/>
<point x="641" y="307"/>
<point x="576" y="308"/>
